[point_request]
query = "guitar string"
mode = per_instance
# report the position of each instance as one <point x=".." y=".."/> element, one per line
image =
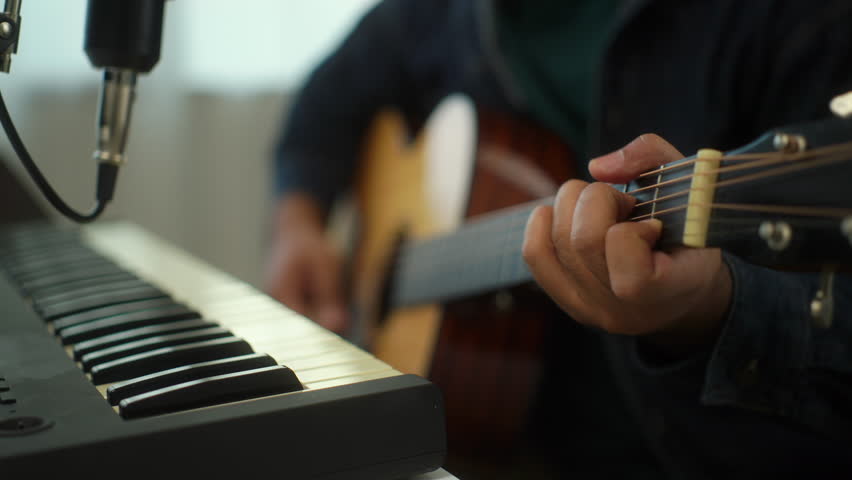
<point x="749" y="162"/>
<point x="753" y="160"/>
<point x="750" y="178"/>
<point x="686" y="163"/>
<point x="755" y="156"/>
<point x="792" y="210"/>
<point x="733" y="168"/>
<point x="827" y="212"/>
<point x="493" y="250"/>
<point x="493" y="247"/>
<point x="756" y="176"/>
<point x="739" y="227"/>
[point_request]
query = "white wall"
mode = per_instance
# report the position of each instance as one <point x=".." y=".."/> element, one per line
<point x="198" y="171"/>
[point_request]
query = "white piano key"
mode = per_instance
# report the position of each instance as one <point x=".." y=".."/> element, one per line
<point x="340" y="370"/>
<point x="350" y="379"/>
<point x="327" y="359"/>
<point x="320" y="358"/>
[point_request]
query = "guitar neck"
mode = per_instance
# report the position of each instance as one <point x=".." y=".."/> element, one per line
<point x="483" y="255"/>
<point x="775" y="208"/>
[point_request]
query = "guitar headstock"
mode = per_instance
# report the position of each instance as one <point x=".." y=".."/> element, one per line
<point x="783" y="200"/>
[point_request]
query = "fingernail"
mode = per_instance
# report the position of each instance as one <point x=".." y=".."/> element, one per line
<point x="654" y="222"/>
<point x="607" y="163"/>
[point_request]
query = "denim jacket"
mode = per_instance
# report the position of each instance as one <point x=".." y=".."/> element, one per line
<point x="774" y="394"/>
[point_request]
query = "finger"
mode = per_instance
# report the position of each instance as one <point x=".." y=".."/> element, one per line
<point x="642" y="154"/>
<point x="327" y="292"/>
<point x="598" y="208"/>
<point x="291" y="291"/>
<point x="562" y="216"/>
<point x="540" y="256"/>
<point x="633" y="266"/>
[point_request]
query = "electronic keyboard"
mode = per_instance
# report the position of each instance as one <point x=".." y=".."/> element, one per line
<point x="123" y="355"/>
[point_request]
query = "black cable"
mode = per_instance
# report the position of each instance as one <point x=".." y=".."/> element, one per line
<point x="107" y="174"/>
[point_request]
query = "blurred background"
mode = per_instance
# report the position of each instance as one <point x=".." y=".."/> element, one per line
<point x="199" y="171"/>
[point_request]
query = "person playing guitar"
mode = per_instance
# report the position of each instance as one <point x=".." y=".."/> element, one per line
<point x="691" y="362"/>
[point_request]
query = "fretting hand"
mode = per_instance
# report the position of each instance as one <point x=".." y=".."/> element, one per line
<point x="603" y="271"/>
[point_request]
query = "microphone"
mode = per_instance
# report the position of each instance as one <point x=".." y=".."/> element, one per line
<point x="122" y="37"/>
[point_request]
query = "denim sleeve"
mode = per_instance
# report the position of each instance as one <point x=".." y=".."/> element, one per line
<point x="322" y="132"/>
<point x="773" y="356"/>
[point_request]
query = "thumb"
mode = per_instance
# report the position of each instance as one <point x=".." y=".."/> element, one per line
<point x="642" y="154"/>
<point x="632" y="263"/>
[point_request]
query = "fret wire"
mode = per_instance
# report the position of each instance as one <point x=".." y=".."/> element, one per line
<point x="656" y="192"/>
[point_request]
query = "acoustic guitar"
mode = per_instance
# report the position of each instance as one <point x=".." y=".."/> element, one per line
<point x="437" y="277"/>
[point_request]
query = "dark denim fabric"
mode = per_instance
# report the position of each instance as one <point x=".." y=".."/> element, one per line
<point x="774" y="395"/>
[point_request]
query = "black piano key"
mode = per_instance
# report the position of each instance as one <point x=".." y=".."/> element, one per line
<point x="106" y="341"/>
<point x="151" y="343"/>
<point x="119" y="391"/>
<point x="22" y="263"/>
<point x="14" y="248"/>
<point x="101" y="300"/>
<point x="17" y="242"/>
<point x="165" y="309"/>
<point x="74" y="292"/>
<point x="110" y="310"/>
<point x="63" y="278"/>
<point x="117" y="323"/>
<point x="80" y="281"/>
<point x="229" y="387"/>
<point x="52" y="268"/>
<point x="36" y="251"/>
<point x="169" y="357"/>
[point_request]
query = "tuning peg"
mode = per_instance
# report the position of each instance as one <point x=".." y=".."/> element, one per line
<point x="777" y="235"/>
<point x="841" y="105"/>
<point x="846" y="228"/>
<point x="822" y="305"/>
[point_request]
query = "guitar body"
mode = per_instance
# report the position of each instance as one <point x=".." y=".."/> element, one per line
<point x="485" y="350"/>
<point x="439" y="284"/>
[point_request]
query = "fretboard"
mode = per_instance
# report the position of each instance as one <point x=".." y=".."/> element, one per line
<point x="483" y="255"/>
